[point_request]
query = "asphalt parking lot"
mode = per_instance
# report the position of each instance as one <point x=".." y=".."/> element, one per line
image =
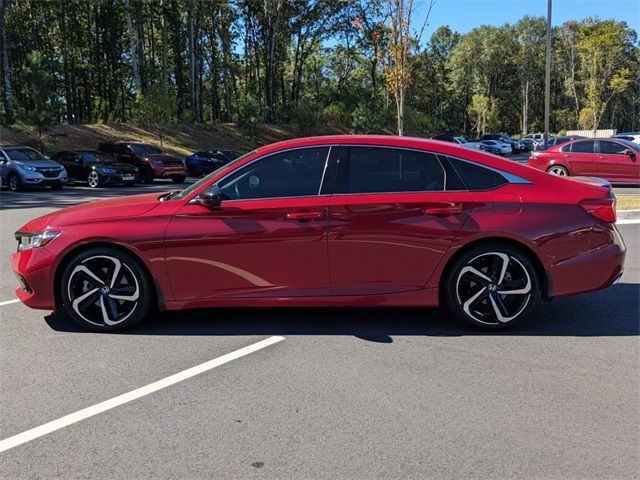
<point x="346" y="393"/>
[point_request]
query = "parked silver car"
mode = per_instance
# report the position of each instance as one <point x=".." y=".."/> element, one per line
<point x="22" y="166"/>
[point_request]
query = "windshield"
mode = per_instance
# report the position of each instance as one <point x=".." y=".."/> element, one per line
<point x="187" y="191"/>
<point x="143" y="149"/>
<point x="96" y="158"/>
<point x="460" y="139"/>
<point x="24" y="154"/>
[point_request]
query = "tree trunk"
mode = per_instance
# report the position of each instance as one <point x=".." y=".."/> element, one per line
<point x="132" y="47"/>
<point x="176" y="47"/>
<point x="7" y="99"/>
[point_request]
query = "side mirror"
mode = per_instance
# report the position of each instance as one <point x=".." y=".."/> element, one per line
<point x="211" y="197"/>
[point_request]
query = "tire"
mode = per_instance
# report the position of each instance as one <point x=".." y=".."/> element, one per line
<point x="91" y="281"/>
<point x="194" y="171"/>
<point x="146" y="175"/>
<point x="13" y="182"/>
<point x="558" y="170"/>
<point x="474" y="281"/>
<point x="179" y="178"/>
<point x="93" y="179"/>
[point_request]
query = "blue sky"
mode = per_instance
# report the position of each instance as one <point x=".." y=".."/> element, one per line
<point x="464" y="15"/>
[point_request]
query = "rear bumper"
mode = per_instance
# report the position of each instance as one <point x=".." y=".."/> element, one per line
<point x="594" y="270"/>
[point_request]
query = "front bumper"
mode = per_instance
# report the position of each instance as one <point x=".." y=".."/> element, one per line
<point x="167" y="172"/>
<point x="37" y="179"/>
<point x="34" y="269"/>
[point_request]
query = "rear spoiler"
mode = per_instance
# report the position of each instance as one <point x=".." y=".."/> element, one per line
<point x="595" y="181"/>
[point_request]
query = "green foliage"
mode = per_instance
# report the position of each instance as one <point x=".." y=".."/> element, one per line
<point x="370" y="118"/>
<point x="249" y="112"/>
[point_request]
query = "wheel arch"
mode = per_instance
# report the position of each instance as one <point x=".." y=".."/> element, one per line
<point x="558" y="163"/>
<point x="68" y="255"/>
<point x="543" y="276"/>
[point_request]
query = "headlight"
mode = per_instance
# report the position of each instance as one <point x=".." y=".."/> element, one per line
<point x="63" y="171"/>
<point x="28" y="240"/>
<point x="107" y="170"/>
<point x="26" y="168"/>
<point x="157" y="162"/>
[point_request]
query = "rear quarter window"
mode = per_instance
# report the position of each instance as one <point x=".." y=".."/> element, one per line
<point x="477" y="177"/>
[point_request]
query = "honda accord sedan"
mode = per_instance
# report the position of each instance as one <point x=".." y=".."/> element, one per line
<point x="613" y="159"/>
<point x="330" y="221"/>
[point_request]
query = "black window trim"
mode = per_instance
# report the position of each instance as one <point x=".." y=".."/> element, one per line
<point x="510" y="178"/>
<point x="263" y="157"/>
<point x="344" y="159"/>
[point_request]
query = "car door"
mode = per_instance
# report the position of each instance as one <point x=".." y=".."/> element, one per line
<point x="581" y="157"/>
<point x="391" y="220"/>
<point x="74" y="165"/>
<point x="267" y="239"/>
<point x="615" y="163"/>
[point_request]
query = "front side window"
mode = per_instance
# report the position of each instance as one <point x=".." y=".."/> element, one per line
<point x="143" y="149"/>
<point x="582" y="147"/>
<point x="380" y="170"/>
<point x="293" y="173"/>
<point x="612" y="148"/>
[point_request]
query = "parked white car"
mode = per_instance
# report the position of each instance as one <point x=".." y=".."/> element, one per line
<point x="629" y="136"/>
<point x="495" y="146"/>
<point x="463" y="142"/>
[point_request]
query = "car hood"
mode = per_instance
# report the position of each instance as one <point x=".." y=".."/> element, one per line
<point x="130" y="206"/>
<point x="117" y="166"/>
<point x="40" y="163"/>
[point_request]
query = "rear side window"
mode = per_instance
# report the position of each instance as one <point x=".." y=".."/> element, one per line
<point x="388" y="170"/>
<point x="477" y="177"/>
<point x="566" y="148"/>
<point x="583" y="147"/>
<point x="293" y="173"/>
<point x="612" y="148"/>
<point x="106" y="147"/>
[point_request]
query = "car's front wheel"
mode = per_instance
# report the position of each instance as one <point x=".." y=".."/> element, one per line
<point x="105" y="289"/>
<point x="179" y="178"/>
<point x="93" y="179"/>
<point x="492" y="286"/>
<point x="14" y="182"/>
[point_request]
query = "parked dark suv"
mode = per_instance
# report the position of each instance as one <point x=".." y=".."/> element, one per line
<point x="151" y="161"/>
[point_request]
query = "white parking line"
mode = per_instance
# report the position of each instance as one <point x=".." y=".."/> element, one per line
<point x="8" y="302"/>
<point x="630" y="221"/>
<point x="72" y="418"/>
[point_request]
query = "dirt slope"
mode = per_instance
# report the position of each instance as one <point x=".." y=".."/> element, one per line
<point x="180" y="140"/>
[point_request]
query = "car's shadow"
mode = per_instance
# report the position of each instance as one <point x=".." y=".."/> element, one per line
<point x="612" y="312"/>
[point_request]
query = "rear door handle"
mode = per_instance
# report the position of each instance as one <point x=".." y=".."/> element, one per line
<point x="444" y="209"/>
<point x="305" y="216"/>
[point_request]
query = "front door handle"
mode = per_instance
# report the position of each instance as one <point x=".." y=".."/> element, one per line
<point x="444" y="209"/>
<point x="305" y="216"/>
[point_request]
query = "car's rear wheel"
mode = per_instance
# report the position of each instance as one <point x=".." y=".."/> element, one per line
<point x="492" y="286"/>
<point x="93" y="179"/>
<point x="558" y="170"/>
<point x="105" y="289"/>
<point x="14" y="182"/>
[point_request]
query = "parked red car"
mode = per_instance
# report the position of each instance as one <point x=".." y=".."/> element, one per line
<point x="342" y="221"/>
<point x="615" y="160"/>
<point x="152" y="162"/>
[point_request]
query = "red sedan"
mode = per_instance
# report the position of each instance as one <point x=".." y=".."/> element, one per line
<point x="342" y="221"/>
<point x="613" y="159"/>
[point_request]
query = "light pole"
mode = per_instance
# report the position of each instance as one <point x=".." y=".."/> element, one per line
<point x="547" y="77"/>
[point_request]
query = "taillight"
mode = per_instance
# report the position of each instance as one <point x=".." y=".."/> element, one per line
<point x="602" y="208"/>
